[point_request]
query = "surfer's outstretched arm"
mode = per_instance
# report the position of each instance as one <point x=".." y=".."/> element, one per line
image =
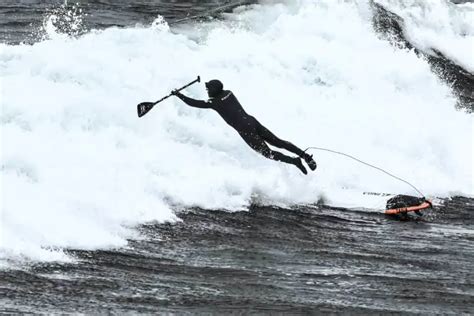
<point x="192" y="102"/>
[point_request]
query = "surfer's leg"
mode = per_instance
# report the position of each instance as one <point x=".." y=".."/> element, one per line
<point x="273" y="140"/>
<point x="258" y="144"/>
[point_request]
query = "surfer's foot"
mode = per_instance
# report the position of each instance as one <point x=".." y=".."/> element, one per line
<point x="297" y="162"/>
<point x="310" y="161"/>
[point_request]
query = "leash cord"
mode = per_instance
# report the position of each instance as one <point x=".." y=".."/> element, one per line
<point x="367" y="164"/>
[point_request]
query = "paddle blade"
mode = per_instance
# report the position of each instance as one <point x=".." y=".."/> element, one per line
<point x="144" y="107"/>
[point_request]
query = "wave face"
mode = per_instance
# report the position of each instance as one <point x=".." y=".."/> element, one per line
<point x="440" y="25"/>
<point x="80" y="170"/>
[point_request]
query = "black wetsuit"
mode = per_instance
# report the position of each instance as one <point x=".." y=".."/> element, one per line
<point x="253" y="133"/>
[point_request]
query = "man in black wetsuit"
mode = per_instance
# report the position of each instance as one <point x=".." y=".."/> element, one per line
<point x="254" y="134"/>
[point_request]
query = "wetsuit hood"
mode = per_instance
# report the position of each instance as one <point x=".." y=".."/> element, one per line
<point x="214" y="88"/>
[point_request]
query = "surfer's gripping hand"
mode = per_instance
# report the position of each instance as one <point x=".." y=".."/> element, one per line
<point x="175" y="93"/>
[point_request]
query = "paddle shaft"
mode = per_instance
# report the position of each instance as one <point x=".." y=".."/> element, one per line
<point x="182" y="88"/>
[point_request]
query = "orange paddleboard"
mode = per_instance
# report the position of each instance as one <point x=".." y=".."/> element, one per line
<point x="420" y="207"/>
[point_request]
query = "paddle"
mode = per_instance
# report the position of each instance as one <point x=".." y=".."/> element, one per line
<point x="144" y="107"/>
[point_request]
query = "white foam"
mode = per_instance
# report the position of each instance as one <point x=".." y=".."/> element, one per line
<point x="80" y="170"/>
<point x="440" y="25"/>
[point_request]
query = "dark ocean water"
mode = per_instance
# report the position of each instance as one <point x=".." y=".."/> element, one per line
<point x="21" y="20"/>
<point x="266" y="260"/>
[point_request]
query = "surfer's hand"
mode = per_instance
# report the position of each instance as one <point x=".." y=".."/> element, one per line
<point x="175" y="92"/>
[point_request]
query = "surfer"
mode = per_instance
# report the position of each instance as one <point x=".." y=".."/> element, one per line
<point x="252" y="131"/>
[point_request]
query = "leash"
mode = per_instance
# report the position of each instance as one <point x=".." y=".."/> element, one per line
<point x="367" y="164"/>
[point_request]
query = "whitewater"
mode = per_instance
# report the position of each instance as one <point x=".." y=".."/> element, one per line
<point x="80" y="170"/>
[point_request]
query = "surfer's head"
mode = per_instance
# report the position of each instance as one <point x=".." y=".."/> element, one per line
<point x="214" y="88"/>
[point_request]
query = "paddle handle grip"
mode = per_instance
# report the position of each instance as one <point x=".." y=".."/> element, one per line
<point x="191" y="83"/>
